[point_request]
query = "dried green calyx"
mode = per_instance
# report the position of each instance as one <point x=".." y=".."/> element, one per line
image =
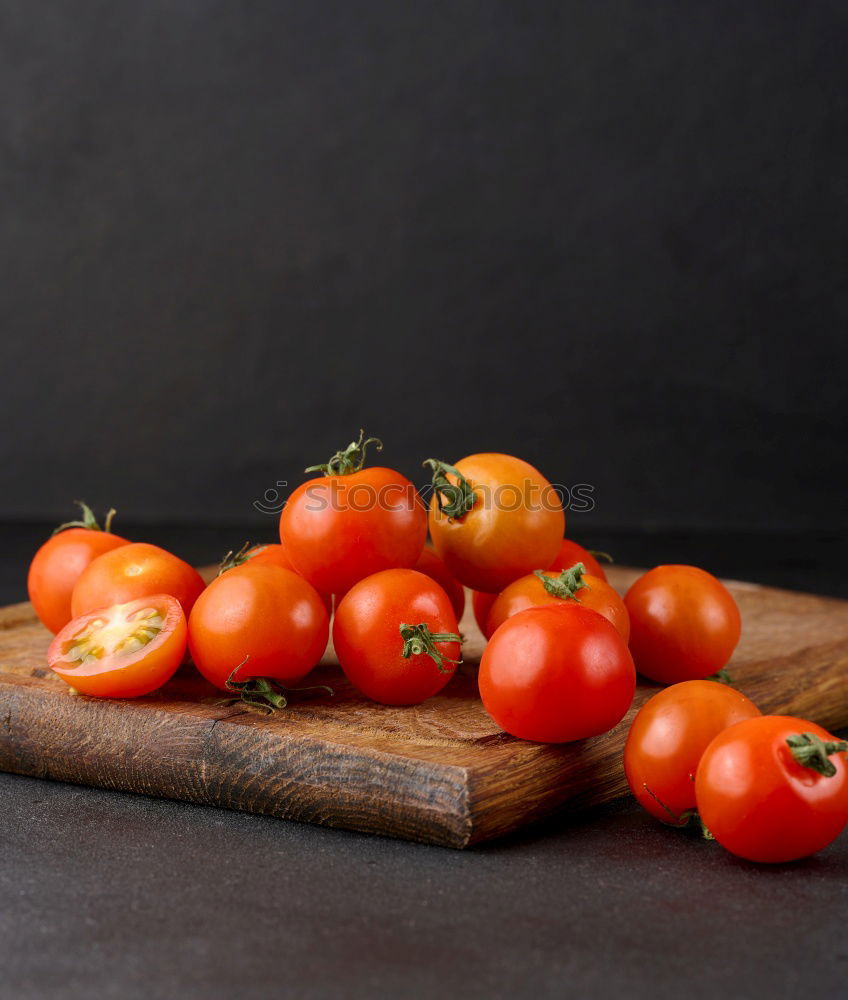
<point x="566" y="585"/>
<point x="418" y="639"/>
<point x="811" y="751"/>
<point x="455" y="500"/>
<point x="350" y="459"/>
<point x="267" y="694"/>
<point x="88" y="520"/>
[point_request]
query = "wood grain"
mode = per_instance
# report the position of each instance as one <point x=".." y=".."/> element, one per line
<point x="441" y="772"/>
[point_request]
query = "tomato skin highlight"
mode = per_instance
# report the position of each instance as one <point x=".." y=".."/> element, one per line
<point x="668" y="737"/>
<point x="556" y="675"/>
<point x="512" y="529"/>
<point x="529" y="592"/>
<point x="367" y="640"/>
<point x="123" y="675"/>
<point x="57" y="566"/>
<point x="268" y="618"/>
<point x="431" y="565"/>
<point x="570" y="553"/>
<point x="684" y="624"/>
<point x="338" y="529"/>
<point x="135" y="570"/>
<point x="761" y="804"/>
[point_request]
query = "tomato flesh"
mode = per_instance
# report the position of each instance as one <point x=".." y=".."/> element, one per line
<point x="122" y="651"/>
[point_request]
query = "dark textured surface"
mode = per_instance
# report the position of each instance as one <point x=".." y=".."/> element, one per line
<point x="608" y="236"/>
<point x="109" y="895"/>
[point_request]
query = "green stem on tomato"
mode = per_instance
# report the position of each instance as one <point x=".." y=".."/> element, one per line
<point x="418" y="639"/>
<point x="721" y="676"/>
<point x="566" y="585"/>
<point x="811" y="751"/>
<point x="266" y="693"/>
<point x="348" y="460"/>
<point x="88" y="520"/>
<point x="455" y="500"/>
<point x="233" y="559"/>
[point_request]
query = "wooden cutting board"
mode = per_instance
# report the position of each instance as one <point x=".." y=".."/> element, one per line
<point x="441" y="772"/>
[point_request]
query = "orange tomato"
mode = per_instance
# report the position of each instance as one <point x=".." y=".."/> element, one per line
<point x="57" y="566"/>
<point x="267" y="621"/>
<point x="493" y="518"/>
<point x="132" y="571"/>
<point x="565" y="587"/>
<point x="270" y="554"/>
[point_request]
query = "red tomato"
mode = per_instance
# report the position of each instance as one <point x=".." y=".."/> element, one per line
<point x="267" y="618"/>
<point x="568" y="585"/>
<point x="131" y="571"/>
<point x="431" y="565"/>
<point x="571" y="553"/>
<point x="482" y="603"/>
<point x="774" y="788"/>
<point x="123" y="651"/>
<point x="352" y="522"/>
<point x="265" y="555"/>
<point x="684" y="624"/>
<point x="554" y="675"/>
<point x="493" y="518"/>
<point x="395" y="634"/>
<point x="56" y="566"/>
<point x="667" y="738"/>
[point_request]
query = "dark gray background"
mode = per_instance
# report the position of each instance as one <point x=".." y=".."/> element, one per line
<point x="610" y="237"/>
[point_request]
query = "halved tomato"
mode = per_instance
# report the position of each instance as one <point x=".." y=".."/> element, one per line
<point x="123" y="651"/>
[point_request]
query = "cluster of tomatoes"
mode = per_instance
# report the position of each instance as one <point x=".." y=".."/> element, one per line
<point x="562" y="652"/>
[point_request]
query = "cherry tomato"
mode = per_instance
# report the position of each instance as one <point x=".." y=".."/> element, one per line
<point x="774" y="788"/>
<point x="123" y="651"/>
<point x="684" y="624"/>
<point x="352" y="522"/>
<point x="56" y="566"/>
<point x="267" y="621"/>
<point x="482" y="603"/>
<point x="493" y="518"/>
<point x="431" y="565"/>
<point x="265" y="555"/>
<point x="131" y="571"/>
<point x="667" y="738"/>
<point x="571" y="553"/>
<point x="554" y="675"/>
<point x="555" y="589"/>
<point x="395" y="634"/>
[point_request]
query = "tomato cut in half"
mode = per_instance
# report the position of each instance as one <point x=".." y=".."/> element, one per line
<point x="123" y="651"/>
